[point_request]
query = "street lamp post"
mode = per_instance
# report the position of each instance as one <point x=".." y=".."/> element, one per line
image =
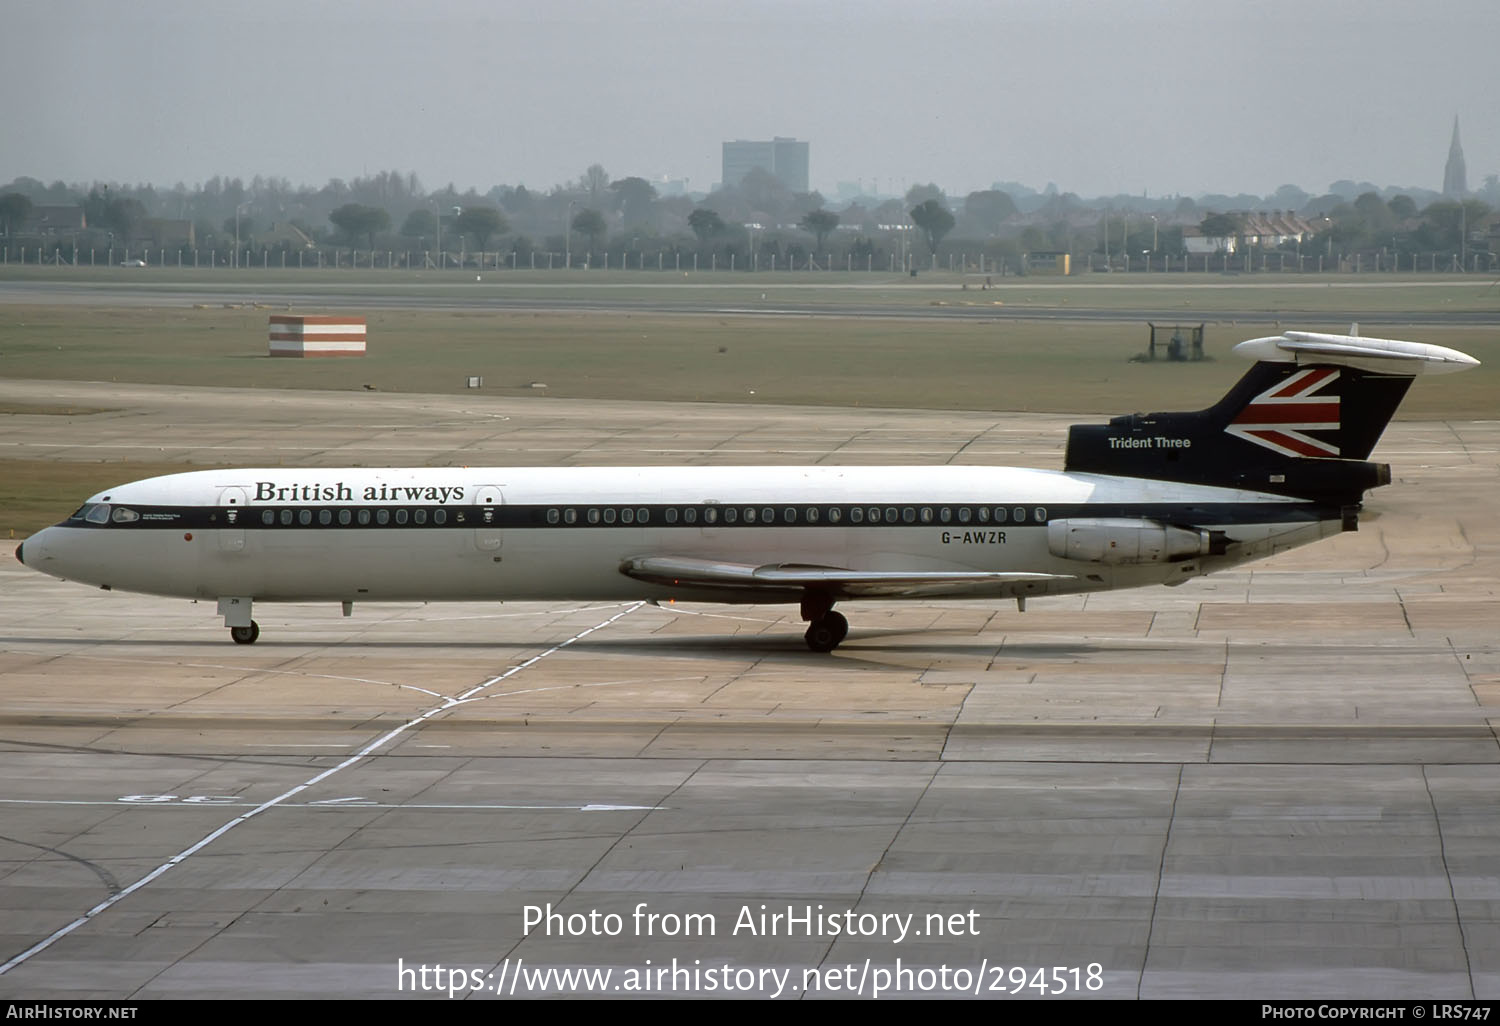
<point x="236" y="262"/>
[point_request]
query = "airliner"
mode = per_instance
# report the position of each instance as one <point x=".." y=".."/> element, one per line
<point x="1161" y="498"/>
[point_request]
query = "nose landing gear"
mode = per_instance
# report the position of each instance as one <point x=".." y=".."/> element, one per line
<point x="245" y="635"/>
<point x="236" y="613"/>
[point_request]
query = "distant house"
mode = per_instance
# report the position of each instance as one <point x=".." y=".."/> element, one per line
<point x="1198" y="244"/>
<point x="166" y="233"/>
<point x="1279" y="228"/>
<point x="283" y="233"/>
<point x="55" y="220"/>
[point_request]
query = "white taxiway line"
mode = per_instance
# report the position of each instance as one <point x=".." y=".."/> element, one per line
<point x="357" y="757"/>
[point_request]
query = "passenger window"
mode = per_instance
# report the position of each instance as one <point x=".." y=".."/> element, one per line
<point x="812" y="514"/>
<point x="710" y="515"/>
<point x="856" y="515"/>
<point x="419" y="516"/>
<point x="874" y="515"/>
<point x="926" y="514"/>
<point x="627" y="515"/>
<point x="749" y="515"/>
<point x="945" y="514"/>
<point x="364" y="517"/>
<point x="325" y="517"/>
<point x="768" y="515"/>
<point x="268" y="517"/>
<point x="286" y="518"/>
<point x="909" y="515"/>
<point x="789" y="515"/>
<point x="964" y="516"/>
<point x="609" y="515"/>
<point x="553" y="516"/>
<point x="1039" y="514"/>
<point x="570" y="516"/>
<point x="690" y="516"/>
<point x="999" y="514"/>
<point x="304" y="517"/>
<point x="593" y="516"/>
<point x="345" y="517"/>
<point x="439" y="516"/>
<point x="834" y="514"/>
<point x="1018" y="515"/>
<point x="984" y="514"/>
<point x="671" y="516"/>
<point x="401" y="516"/>
<point x="642" y="515"/>
<point x="382" y="516"/>
<point x="731" y="514"/>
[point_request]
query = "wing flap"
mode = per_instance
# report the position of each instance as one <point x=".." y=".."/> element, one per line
<point x="684" y="571"/>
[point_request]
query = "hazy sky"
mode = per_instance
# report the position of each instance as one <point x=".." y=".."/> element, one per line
<point x="1161" y="96"/>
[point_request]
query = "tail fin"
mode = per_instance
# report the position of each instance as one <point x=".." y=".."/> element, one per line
<point x="1301" y="422"/>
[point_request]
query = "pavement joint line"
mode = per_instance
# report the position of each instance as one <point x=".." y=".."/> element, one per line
<point x="357" y="757"/>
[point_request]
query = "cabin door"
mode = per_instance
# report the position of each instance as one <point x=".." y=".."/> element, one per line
<point x="487" y="531"/>
<point x="232" y="514"/>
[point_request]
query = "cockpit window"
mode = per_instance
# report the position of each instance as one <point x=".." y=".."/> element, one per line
<point x="121" y="515"/>
<point x="96" y="513"/>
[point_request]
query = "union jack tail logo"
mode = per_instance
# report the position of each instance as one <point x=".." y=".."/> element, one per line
<point x="1280" y="417"/>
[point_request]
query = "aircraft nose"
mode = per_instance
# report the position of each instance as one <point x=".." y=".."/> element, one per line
<point x="20" y="558"/>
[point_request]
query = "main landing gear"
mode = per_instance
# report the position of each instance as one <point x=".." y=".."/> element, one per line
<point x="245" y="635"/>
<point x="825" y="629"/>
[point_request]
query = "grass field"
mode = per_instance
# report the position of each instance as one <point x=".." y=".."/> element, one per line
<point x="1056" y="366"/>
<point x="675" y="354"/>
<point x="1200" y="296"/>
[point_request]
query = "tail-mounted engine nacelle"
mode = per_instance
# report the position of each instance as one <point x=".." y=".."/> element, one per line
<point x="1120" y="541"/>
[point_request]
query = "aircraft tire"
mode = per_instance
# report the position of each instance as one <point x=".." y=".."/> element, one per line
<point x="840" y="626"/>
<point x="825" y="633"/>
<point x="245" y="635"/>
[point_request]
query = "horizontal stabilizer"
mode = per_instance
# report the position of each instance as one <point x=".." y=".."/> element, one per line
<point x="1388" y="355"/>
<point x="677" y="571"/>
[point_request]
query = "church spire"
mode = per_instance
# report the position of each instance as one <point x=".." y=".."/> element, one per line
<point x="1455" y="180"/>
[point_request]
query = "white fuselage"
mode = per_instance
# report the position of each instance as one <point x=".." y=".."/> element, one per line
<point x="500" y="534"/>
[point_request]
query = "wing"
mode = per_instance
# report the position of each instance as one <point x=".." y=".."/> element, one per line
<point x="682" y="571"/>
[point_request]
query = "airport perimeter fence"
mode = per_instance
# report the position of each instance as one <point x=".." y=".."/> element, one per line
<point x="662" y="260"/>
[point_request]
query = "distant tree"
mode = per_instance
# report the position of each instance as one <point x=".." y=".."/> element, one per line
<point x="1376" y="216"/>
<point x="419" y="224"/>
<point x="357" y="219"/>
<point x="805" y="202"/>
<point x="706" y="224"/>
<point x="238" y="229"/>
<point x="590" y="223"/>
<point x="1402" y="207"/>
<point x="919" y="194"/>
<point x="989" y="209"/>
<point x="1289" y="197"/>
<point x="481" y="222"/>
<point x="594" y="181"/>
<point x="934" y="220"/>
<point x="14" y="209"/>
<point x="122" y="216"/>
<point x="1219" y="226"/>
<point x="820" y="223"/>
<point x="519" y="202"/>
<point x="634" y="196"/>
<point x="764" y="193"/>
